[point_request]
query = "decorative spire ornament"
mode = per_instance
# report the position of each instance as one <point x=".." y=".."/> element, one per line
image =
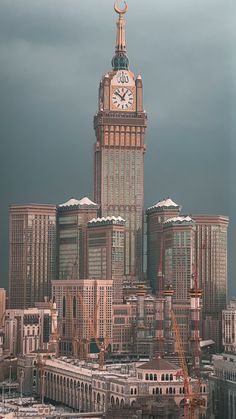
<point x="120" y="61"/>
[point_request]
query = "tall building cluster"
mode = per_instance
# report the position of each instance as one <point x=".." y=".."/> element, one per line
<point x="88" y="256"/>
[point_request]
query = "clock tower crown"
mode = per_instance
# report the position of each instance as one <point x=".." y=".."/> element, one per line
<point x="120" y="60"/>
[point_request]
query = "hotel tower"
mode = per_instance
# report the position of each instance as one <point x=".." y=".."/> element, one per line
<point x="119" y="149"/>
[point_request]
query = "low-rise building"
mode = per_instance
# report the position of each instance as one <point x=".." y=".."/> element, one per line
<point x="229" y="327"/>
<point x="27" y="330"/>
<point x="84" y="387"/>
<point x="222" y="387"/>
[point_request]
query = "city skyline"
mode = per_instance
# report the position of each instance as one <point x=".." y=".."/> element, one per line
<point x="167" y="133"/>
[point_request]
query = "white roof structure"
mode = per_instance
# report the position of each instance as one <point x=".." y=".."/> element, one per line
<point x="111" y="219"/>
<point x="83" y="201"/>
<point x="179" y="220"/>
<point x="165" y="203"/>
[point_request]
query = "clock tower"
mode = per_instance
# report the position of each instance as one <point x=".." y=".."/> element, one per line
<point x="119" y="149"/>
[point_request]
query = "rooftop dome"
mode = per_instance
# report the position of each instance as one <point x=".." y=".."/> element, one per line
<point x="120" y="61"/>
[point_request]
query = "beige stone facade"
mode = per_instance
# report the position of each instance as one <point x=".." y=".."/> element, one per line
<point x="32" y="253"/>
<point x="84" y="310"/>
<point x="84" y="388"/>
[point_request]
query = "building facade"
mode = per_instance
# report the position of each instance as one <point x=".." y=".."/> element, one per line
<point x="138" y="325"/>
<point x="179" y="239"/>
<point x="211" y="266"/>
<point x="156" y="216"/>
<point x="229" y="327"/>
<point x="2" y="305"/>
<point x="85" y="388"/>
<point x="119" y="150"/>
<point x="84" y="313"/>
<point x="106" y="252"/>
<point x="72" y="219"/>
<point x="32" y="253"/>
<point x="222" y="387"/>
<point x="27" y="330"/>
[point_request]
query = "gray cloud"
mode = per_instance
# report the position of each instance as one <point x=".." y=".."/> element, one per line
<point x="53" y="54"/>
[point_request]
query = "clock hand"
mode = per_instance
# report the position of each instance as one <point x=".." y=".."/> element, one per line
<point x="118" y="94"/>
<point x="123" y="97"/>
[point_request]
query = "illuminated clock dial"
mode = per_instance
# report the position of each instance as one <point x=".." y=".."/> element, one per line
<point x="122" y="98"/>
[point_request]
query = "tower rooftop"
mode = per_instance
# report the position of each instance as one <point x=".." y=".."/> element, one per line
<point x="158" y="364"/>
<point x="164" y="204"/>
<point x="83" y="202"/>
<point x="179" y="220"/>
<point x="106" y="221"/>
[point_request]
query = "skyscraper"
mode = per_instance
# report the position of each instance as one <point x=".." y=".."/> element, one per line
<point x="211" y="266"/>
<point x="119" y="149"/>
<point x="106" y="252"/>
<point x="156" y="216"/>
<point x="32" y="253"/>
<point x="72" y="219"/>
<point x="179" y="239"/>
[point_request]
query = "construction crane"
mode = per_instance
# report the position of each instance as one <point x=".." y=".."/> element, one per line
<point x="1" y="319"/>
<point x="192" y="398"/>
<point x="103" y="344"/>
<point x="195" y="307"/>
<point x="55" y="335"/>
<point x="103" y="349"/>
<point x="159" y="338"/>
<point x="78" y="345"/>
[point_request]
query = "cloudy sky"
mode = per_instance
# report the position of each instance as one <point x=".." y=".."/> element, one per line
<point x="53" y="54"/>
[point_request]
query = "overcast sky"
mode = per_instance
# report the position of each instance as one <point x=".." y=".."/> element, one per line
<point x="53" y="54"/>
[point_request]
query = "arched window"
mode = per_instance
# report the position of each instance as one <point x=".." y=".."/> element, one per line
<point x="170" y="390"/>
<point x="131" y="391"/>
<point x="135" y="391"/>
<point x="74" y="307"/>
<point x="157" y="390"/>
<point x="151" y="377"/>
<point x="64" y="307"/>
<point x="153" y="391"/>
<point x="155" y="377"/>
<point x="171" y="377"/>
<point x="160" y="390"/>
<point x="167" y="377"/>
<point x="167" y="390"/>
<point x="162" y="377"/>
<point x="146" y="377"/>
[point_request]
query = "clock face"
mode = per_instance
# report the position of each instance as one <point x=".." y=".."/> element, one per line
<point x="122" y="98"/>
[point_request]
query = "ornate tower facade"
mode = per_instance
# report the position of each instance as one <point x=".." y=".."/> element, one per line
<point x="119" y="149"/>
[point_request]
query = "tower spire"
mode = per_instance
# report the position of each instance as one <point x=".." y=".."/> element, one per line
<point x="120" y="61"/>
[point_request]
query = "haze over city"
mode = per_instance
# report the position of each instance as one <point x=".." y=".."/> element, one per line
<point x="53" y="56"/>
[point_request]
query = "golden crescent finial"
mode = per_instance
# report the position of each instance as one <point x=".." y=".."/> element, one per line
<point x="120" y="11"/>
